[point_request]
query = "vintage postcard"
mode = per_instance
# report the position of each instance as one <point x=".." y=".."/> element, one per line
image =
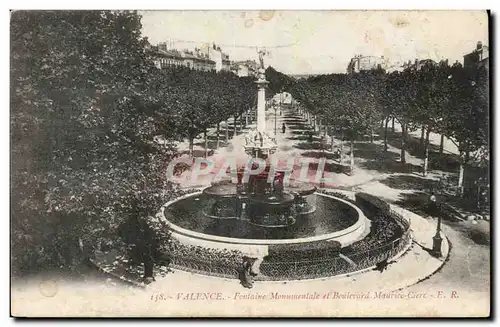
<point x="263" y="163"/>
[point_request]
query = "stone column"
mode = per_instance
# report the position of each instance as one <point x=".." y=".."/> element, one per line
<point x="261" y="105"/>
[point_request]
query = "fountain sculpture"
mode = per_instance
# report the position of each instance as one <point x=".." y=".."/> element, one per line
<point x="262" y="200"/>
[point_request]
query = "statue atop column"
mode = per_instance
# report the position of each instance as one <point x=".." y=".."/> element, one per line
<point x="261" y="58"/>
<point x="262" y="69"/>
<point x="258" y="142"/>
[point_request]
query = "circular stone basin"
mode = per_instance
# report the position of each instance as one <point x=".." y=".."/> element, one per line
<point x="221" y="190"/>
<point x="332" y="215"/>
<point x="301" y="189"/>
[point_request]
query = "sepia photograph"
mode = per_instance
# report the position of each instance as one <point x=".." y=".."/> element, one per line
<point x="250" y="163"/>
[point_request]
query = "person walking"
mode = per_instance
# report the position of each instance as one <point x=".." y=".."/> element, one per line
<point x="283" y="128"/>
<point x="246" y="273"/>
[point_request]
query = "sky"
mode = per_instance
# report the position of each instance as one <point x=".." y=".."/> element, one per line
<point x="322" y="41"/>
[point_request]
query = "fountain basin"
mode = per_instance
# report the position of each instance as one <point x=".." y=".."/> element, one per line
<point x="199" y="230"/>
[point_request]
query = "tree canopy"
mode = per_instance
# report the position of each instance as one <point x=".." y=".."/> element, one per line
<point x="86" y="104"/>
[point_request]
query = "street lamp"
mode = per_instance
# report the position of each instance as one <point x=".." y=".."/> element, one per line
<point x="437" y="239"/>
<point x="275" y="109"/>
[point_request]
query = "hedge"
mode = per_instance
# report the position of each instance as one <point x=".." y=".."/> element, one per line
<point x="287" y="252"/>
<point x="371" y="204"/>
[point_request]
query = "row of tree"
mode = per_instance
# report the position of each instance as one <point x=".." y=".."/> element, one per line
<point x="86" y="105"/>
<point x="449" y="100"/>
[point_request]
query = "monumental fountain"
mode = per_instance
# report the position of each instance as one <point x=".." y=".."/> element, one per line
<point x="252" y="213"/>
<point x="263" y="199"/>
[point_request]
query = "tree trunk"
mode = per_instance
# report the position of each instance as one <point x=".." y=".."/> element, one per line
<point x="352" y="157"/>
<point x="422" y="135"/>
<point x="385" y="133"/>
<point x="371" y="134"/>
<point x="191" y="145"/>
<point x="246" y="117"/>
<point x="147" y="247"/>
<point x="382" y="123"/>
<point x="460" y="190"/>
<point x="206" y="142"/>
<point x="218" y="130"/>
<point x="393" y="124"/>
<point x="235" y="132"/>
<point x="441" y="144"/>
<point x="426" y="152"/>
<point x="332" y="145"/>
<point x="227" y="131"/>
<point x="403" y="143"/>
<point x="341" y="147"/>
<point x="241" y="122"/>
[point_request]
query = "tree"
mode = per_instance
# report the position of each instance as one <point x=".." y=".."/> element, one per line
<point x="467" y="124"/>
<point x="433" y="97"/>
<point x="81" y="132"/>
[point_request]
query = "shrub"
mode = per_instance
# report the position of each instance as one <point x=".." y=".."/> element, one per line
<point x="295" y="252"/>
<point x="385" y="228"/>
<point x="336" y="194"/>
<point x="372" y="204"/>
<point x="213" y="257"/>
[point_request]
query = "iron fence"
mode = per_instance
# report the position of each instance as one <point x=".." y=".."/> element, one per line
<point x="301" y="269"/>
<point x="225" y="269"/>
<point x="317" y="268"/>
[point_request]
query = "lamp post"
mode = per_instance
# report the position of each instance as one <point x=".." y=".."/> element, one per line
<point x="281" y="101"/>
<point x="275" y="130"/>
<point x="437" y="239"/>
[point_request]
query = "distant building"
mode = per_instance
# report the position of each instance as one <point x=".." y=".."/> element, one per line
<point x="417" y="64"/>
<point x="244" y="68"/>
<point x="202" y="62"/>
<point x="220" y="58"/>
<point x="226" y="63"/>
<point x="363" y="63"/>
<point x="283" y="98"/>
<point x="395" y="67"/>
<point x="193" y="60"/>
<point x="477" y="58"/>
<point x="165" y="58"/>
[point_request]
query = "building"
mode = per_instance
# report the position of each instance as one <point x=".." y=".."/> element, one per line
<point x="202" y="62"/>
<point x="283" y="98"/>
<point x="244" y="68"/>
<point x="167" y="58"/>
<point x="417" y="64"/>
<point x="193" y="60"/>
<point x="362" y="63"/>
<point x="477" y="58"/>
<point x="220" y="58"/>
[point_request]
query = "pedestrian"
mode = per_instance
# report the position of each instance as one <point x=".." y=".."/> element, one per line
<point x="246" y="273"/>
<point x="283" y="128"/>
